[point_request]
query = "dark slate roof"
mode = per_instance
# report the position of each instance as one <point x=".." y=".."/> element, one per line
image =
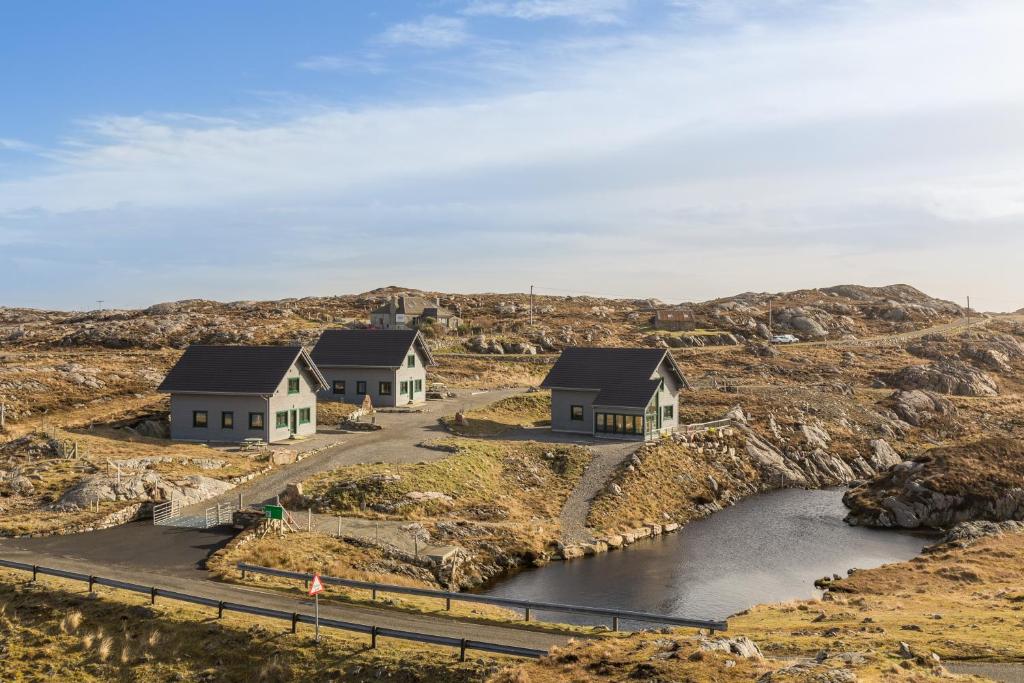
<point x="621" y="376"/>
<point x="367" y="348"/>
<point x="235" y="369"/>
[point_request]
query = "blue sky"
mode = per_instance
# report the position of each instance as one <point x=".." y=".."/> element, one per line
<point x="684" y="149"/>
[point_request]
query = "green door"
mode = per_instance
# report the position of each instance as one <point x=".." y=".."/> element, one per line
<point x="292" y="421"/>
<point x="412" y="389"/>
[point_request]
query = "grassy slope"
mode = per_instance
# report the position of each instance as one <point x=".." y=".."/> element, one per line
<point x="527" y="410"/>
<point x="54" y="632"/>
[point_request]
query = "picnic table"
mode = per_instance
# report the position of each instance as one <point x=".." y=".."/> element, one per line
<point x="254" y="443"/>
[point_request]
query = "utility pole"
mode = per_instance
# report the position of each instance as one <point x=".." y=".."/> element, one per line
<point x="531" y="305"/>
<point x="769" y="318"/>
<point x="968" y="316"/>
<point x="99" y="302"/>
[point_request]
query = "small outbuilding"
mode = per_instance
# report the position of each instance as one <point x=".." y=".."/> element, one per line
<point x="629" y="393"/>
<point x="389" y="366"/>
<point x="233" y="393"/>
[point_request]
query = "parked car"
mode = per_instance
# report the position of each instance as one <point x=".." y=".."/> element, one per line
<point x="784" y="339"/>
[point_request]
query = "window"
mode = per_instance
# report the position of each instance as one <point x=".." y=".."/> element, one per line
<point x="282" y="419"/>
<point x="609" y="423"/>
<point x="667" y="412"/>
<point x="361" y="388"/>
<point x="227" y="420"/>
<point x="255" y="420"/>
<point x="410" y="362"/>
<point x="384" y="389"/>
<point x="293" y="385"/>
<point x="199" y="419"/>
<point x="419" y="386"/>
<point x="303" y="416"/>
<point x="339" y="386"/>
<point x="576" y="412"/>
<point x="403" y="388"/>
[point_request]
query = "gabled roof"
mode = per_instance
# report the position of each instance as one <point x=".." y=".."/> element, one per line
<point x="621" y="376"/>
<point x="367" y="348"/>
<point x="236" y="369"/>
<point x="416" y="305"/>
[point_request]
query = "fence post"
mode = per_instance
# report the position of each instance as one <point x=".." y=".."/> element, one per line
<point x="295" y="622"/>
<point x="527" y="614"/>
<point x="373" y="594"/>
<point x="220" y="609"/>
<point x="152" y="595"/>
<point x="615" y="623"/>
<point x="462" y="650"/>
<point x="92" y="580"/>
<point x="243" y="573"/>
<point x="35" y="572"/>
<point x="448" y="604"/>
<point x="309" y="519"/>
<point x="373" y="637"/>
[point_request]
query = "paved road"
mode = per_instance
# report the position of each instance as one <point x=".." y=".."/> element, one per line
<point x="1010" y="672"/>
<point x="370" y="616"/>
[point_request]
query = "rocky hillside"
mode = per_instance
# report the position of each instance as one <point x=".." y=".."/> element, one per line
<point x="983" y="480"/>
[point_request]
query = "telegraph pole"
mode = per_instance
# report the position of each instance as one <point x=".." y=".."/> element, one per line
<point x="531" y="305"/>
<point x="968" y="315"/>
<point x="769" y="318"/>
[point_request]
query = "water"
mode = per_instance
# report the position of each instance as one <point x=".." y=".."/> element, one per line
<point x="767" y="548"/>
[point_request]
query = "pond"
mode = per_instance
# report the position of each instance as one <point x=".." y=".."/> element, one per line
<point x="767" y="548"/>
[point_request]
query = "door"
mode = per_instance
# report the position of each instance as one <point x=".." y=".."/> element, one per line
<point x="292" y="421"/>
<point x="412" y="390"/>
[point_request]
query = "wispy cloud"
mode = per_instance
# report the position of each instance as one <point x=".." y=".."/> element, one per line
<point x="872" y="145"/>
<point x="15" y="145"/>
<point x="430" y="32"/>
<point x="596" y="11"/>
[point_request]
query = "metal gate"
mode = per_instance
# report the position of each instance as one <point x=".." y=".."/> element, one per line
<point x="173" y="513"/>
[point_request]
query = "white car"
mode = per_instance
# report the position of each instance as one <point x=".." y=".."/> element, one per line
<point x="784" y="339"/>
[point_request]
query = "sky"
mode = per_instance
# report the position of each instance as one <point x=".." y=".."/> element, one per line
<point x="679" y="149"/>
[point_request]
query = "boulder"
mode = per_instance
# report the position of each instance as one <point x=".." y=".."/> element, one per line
<point x="917" y="407"/>
<point x="946" y="377"/>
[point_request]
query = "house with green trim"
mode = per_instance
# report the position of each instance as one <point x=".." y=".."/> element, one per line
<point x="228" y="394"/>
<point x="622" y="393"/>
<point x="389" y="366"/>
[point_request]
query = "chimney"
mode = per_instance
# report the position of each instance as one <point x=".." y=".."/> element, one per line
<point x="437" y="301"/>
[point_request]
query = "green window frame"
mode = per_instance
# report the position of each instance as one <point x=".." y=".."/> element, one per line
<point x="281" y="419"/>
<point x="227" y="420"/>
<point x="667" y="413"/>
<point x="304" y="414"/>
<point x="338" y="386"/>
<point x="361" y="388"/>
<point x="200" y="419"/>
<point x="256" y="421"/>
<point x="403" y="388"/>
<point x="576" y="413"/>
<point x="384" y="389"/>
<point x="418" y="386"/>
<point x="293" y="385"/>
<point x="410" y="362"/>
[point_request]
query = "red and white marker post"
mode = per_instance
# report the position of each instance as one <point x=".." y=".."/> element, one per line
<point x="316" y="587"/>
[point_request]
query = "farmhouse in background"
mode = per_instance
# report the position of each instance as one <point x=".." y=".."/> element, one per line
<point x="676" y="319"/>
<point x="389" y="366"/>
<point x="406" y="312"/>
<point x="622" y="393"/>
<point x="232" y="393"/>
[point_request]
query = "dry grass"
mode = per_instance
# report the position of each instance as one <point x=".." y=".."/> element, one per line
<point x="527" y="410"/>
<point x="670" y="483"/>
<point x="122" y="638"/>
<point x="489" y="372"/>
<point x="330" y="413"/>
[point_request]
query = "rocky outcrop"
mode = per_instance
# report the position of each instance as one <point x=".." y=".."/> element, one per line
<point x="944" y="487"/>
<point x="147" y="486"/>
<point x="945" y="377"/>
<point x="918" y="407"/>
<point x="968" y="533"/>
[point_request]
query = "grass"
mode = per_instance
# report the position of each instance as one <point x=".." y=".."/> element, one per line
<point x="526" y="410"/>
<point x="330" y="413"/>
<point x="671" y="480"/>
<point x="54" y="631"/>
<point x="515" y="477"/>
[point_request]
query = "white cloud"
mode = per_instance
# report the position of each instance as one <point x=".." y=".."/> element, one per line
<point x="341" y="63"/>
<point x="596" y="11"/>
<point x="430" y="32"/>
<point x="872" y="147"/>
<point x="15" y="145"/>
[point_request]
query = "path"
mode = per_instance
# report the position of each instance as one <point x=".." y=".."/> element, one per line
<point x="1006" y="672"/>
<point x="366" y="615"/>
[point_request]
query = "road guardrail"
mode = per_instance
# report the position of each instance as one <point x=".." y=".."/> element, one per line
<point x="296" y="618"/>
<point x="528" y="606"/>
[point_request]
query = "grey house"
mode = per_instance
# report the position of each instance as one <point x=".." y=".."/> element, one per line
<point x="389" y="366"/>
<point x="406" y="312"/>
<point x="232" y="393"/>
<point x="621" y="393"/>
